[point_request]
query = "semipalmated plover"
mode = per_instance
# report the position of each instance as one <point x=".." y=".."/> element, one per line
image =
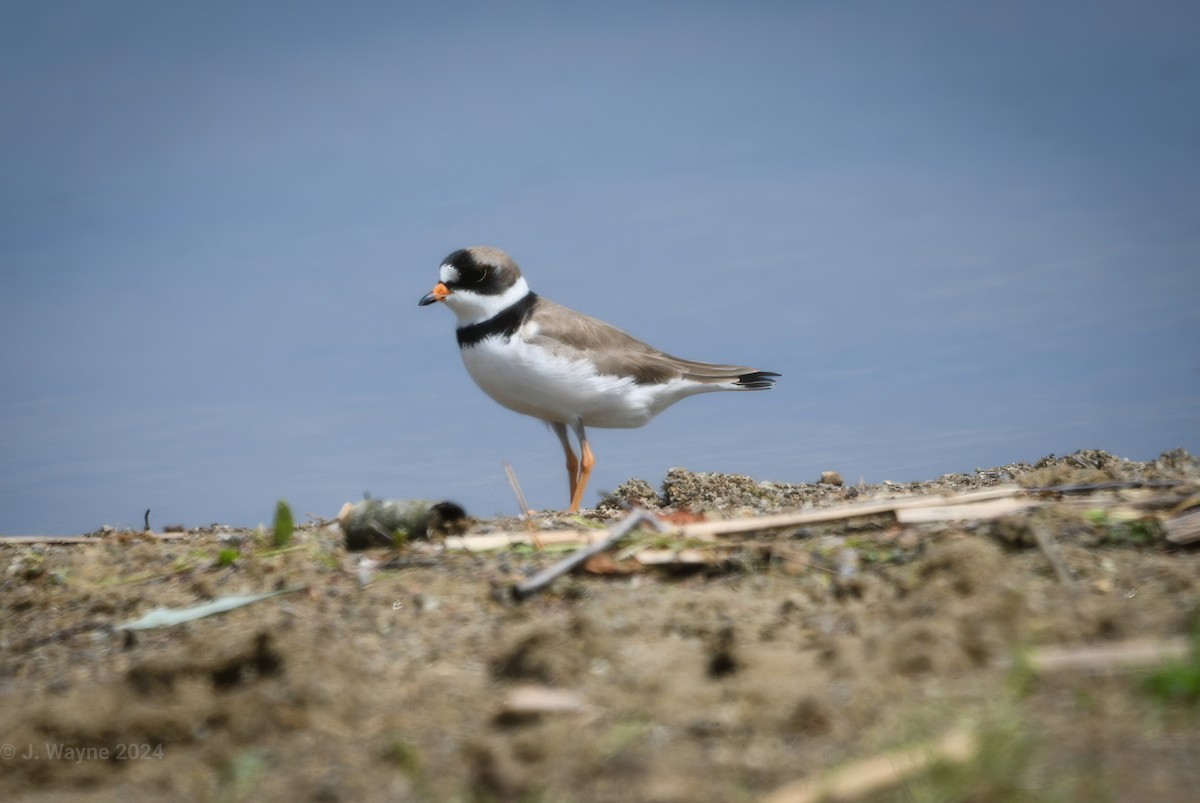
<point x="568" y="369"/>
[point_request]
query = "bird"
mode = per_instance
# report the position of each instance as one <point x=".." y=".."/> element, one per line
<point x="568" y="369"/>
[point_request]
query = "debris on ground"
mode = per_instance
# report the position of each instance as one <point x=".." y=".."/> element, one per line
<point x="1019" y="632"/>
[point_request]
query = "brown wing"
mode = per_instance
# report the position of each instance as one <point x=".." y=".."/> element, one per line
<point x="616" y="352"/>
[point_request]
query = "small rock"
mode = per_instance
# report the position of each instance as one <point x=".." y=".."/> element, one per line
<point x="831" y="478"/>
<point x="635" y="492"/>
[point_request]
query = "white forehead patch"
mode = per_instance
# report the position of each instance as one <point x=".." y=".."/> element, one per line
<point x="448" y="273"/>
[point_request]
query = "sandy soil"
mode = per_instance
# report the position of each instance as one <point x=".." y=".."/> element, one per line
<point x="800" y="651"/>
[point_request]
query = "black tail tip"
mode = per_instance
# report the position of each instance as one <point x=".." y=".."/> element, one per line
<point x="757" y="380"/>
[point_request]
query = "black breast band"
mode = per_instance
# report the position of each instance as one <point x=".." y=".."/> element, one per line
<point x="505" y="323"/>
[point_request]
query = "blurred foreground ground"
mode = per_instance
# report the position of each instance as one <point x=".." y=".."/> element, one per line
<point x="773" y="658"/>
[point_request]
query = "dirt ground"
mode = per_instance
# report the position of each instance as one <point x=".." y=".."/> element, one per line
<point x="799" y="653"/>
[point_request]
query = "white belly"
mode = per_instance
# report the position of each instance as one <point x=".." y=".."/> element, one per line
<point x="532" y="381"/>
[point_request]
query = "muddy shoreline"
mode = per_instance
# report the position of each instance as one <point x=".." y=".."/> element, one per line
<point x="772" y="658"/>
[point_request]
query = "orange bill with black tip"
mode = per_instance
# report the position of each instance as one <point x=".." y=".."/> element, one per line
<point x="439" y="293"/>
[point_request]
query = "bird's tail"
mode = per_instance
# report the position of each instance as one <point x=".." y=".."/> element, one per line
<point x="757" y="380"/>
<point x="731" y="377"/>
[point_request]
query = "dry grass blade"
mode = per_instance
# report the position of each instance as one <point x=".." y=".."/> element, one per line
<point x="511" y="474"/>
<point x="1049" y="547"/>
<point x="526" y="511"/>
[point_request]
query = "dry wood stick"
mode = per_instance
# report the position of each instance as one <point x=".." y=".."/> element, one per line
<point x="548" y="575"/>
<point x="490" y="541"/>
<point x="1107" y="657"/>
<point x="1184" y="529"/>
<point x="978" y="502"/>
<point x="64" y="540"/>
<point x="1106" y="486"/>
<point x="869" y="776"/>
<point x="850" y="511"/>
<point x="970" y="511"/>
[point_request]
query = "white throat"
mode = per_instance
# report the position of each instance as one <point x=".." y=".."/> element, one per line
<point x="471" y="307"/>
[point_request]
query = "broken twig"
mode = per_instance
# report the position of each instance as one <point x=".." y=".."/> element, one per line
<point x="547" y="576"/>
<point x="1106" y="658"/>
<point x="872" y="775"/>
<point x="66" y="540"/>
<point x="969" y="511"/>
<point x="841" y="512"/>
<point x="1105" y="486"/>
<point x="1183" y="529"/>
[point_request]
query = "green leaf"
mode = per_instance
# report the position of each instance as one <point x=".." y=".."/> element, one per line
<point x="283" y="525"/>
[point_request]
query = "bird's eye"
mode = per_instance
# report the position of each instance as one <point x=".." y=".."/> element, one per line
<point x="483" y="272"/>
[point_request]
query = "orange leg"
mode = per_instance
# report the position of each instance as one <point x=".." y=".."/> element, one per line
<point x="585" y="469"/>
<point x="572" y="463"/>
